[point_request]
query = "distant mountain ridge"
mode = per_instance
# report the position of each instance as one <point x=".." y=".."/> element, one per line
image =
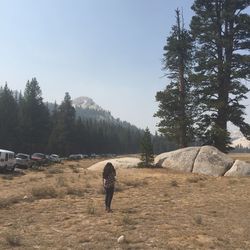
<point x="239" y="140"/>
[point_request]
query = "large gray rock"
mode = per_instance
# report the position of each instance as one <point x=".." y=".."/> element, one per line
<point x="211" y="161"/>
<point x="240" y="168"/>
<point x="180" y="160"/>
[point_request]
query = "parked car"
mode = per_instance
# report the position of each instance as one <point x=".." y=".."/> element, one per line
<point x="7" y="160"/>
<point x="93" y="155"/>
<point x="23" y="160"/>
<point x="55" y="158"/>
<point x="75" y="157"/>
<point x="39" y="158"/>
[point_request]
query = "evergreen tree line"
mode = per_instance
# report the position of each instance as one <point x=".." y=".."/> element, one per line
<point x="208" y="67"/>
<point x="27" y="125"/>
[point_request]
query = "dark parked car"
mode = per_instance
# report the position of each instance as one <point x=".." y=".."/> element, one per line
<point x="39" y="158"/>
<point x="23" y="161"/>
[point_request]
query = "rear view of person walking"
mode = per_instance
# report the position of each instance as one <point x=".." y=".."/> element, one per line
<point x="108" y="175"/>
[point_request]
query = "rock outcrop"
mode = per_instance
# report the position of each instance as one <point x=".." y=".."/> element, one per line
<point x="239" y="168"/>
<point x="180" y="160"/>
<point x="211" y="161"/>
<point x="206" y="160"/>
<point x="125" y="162"/>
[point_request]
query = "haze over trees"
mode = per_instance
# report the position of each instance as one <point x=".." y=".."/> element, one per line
<point x="28" y="125"/>
<point x="220" y="32"/>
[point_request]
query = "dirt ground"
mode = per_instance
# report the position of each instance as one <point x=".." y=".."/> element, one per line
<point x="62" y="207"/>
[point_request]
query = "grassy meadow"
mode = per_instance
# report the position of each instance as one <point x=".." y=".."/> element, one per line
<point x="62" y="207"/>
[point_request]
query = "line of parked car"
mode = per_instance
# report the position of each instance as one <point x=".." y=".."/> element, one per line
<point x="93" y="155"/>
<point x="8" y="160"/>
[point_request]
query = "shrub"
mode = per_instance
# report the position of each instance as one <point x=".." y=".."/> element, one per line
<point x="195" y="179"/>
<point x="174" y="183"/>
<point x="14" y="240"/>
<point x="6" y="202"/>
<point x="198" y="219"/>
<point x="135" y="183"/>
<point x="91" y="208"/>
<point x="127" y="220"/>
<point x="76" y="191"/>
<point x="119" y="187"/>
<point x="7" y="177"/>
<point x="143" y="164"/>
<point x="44" y="192"/>
<point x="55" y="171"/>
<point x="61" y="181"/>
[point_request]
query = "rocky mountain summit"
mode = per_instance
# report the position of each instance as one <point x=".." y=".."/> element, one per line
<point x="85" y="103"/>
<point x="239" y="140"/>
<point x="86" y="108"/>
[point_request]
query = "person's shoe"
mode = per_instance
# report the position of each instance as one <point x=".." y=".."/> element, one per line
<point x="110" y="210"/>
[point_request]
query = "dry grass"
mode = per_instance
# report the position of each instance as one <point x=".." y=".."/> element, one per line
<point x="154" y="209"/>
<point x="240" y="156"/>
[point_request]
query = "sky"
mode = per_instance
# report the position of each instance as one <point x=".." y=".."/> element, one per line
<point x="108" y="50"/>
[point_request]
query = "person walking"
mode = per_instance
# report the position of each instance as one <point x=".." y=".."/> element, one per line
<point x="108" y="175"/>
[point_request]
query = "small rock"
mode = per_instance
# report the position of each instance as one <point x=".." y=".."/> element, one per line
<point x="25" y="197"/>
<point x="121" y="239"/>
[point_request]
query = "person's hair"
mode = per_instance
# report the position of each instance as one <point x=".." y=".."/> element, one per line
<point x="108" y="169"/>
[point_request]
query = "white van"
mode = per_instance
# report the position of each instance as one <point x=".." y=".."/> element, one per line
<point x="7" y="160"/>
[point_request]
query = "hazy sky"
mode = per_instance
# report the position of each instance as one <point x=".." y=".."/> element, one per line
<point x="109" y="50"/>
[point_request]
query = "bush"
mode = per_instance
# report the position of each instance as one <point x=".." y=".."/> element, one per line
<point x="14" y="240"/>
<point x="91" y="208"/>
<point x="6" y="202"/>
<point x="143" y="164"/>
<point x="55" y="171"/>
<point x="174" y="183"/>
<point x="76" y="191"/>
<point x="44" y="192"/>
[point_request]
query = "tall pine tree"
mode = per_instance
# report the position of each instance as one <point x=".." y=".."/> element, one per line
<point x="176" y="103"/>
<point x="9" y="125"/>
<point x="62" y="136"/>
<point x="222" y="31"/>
<point x="35" y="119"/>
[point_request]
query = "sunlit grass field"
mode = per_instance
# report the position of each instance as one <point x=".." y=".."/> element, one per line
<point x="62" y="207"/>
<point x="240" y="156"/>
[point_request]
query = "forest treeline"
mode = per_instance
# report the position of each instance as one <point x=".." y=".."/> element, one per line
<point x="28" y="125"/>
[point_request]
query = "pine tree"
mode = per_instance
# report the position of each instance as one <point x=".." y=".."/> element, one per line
<point x="8" y="120"/>
<point x="147" y="154"/>
<point x="176" y="102"/>
<point x="62" y="138"/>
<point x="222" y="31"/>
<point x="35" y="119"/>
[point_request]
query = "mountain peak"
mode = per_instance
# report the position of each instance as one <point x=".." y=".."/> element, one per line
<point x="239" y="140"/>
<point x="85" y="103"/>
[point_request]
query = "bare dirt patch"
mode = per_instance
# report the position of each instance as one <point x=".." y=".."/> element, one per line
<point x="153" y="209"/>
